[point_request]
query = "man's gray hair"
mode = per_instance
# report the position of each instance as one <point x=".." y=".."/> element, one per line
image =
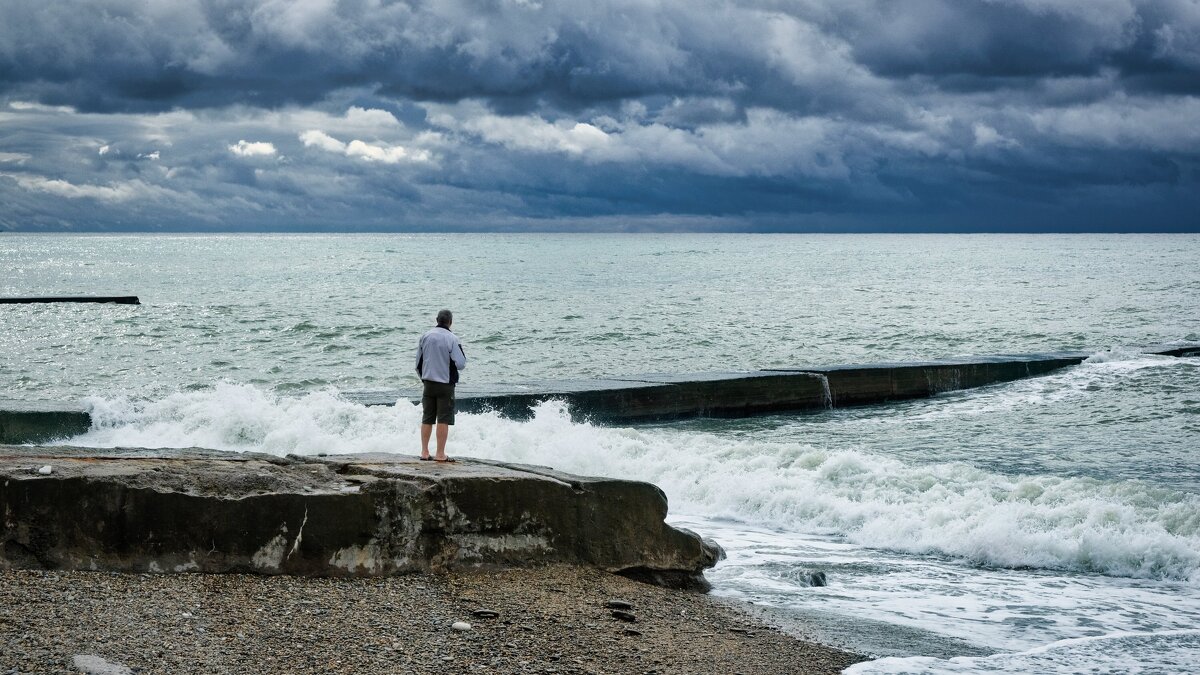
<point x="444" y="317"/>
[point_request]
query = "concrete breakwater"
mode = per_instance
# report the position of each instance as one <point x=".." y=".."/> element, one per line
<point x="24" y="422"/>
<point x="742" y="394"/>
<point x="663" y="397"/>
<point x="96" y="299"/>
<point x="344" y="515"/>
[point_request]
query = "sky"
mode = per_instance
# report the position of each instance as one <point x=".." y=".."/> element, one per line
<point x="600" y="115"/>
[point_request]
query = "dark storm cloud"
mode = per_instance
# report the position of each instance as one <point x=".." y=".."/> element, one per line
<point x="154" y="55"/>
<point x="770" y="114"/>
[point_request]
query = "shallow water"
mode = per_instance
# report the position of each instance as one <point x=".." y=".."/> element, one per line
<point x="1050" y="524"/>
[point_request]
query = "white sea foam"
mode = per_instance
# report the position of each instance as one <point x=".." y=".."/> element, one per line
<point x="243" y="418"/>
<point x="1161" y="652"/>
<point x="1132" y="355"/>
<point x="992" y="608"/>
<point x="1115" y="528"/>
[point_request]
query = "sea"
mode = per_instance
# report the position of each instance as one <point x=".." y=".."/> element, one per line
<point x="1050" y="524"/>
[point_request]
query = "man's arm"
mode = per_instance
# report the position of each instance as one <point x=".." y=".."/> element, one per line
<point x="459" y="356"/>
<point x="420" y="354"/>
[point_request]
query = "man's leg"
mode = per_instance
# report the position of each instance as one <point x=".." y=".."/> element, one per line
<point x="443" y="432"/>
<point x="428" y="416"/>
<point x="426" y="432"/>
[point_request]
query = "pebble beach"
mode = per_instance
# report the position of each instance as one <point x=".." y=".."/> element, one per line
<point x="540" y="620"/>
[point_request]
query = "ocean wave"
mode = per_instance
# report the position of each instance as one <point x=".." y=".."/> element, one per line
<point x="1119" y="653"/>
<point x="1132" y="355"/>
<point x="1118" y="528"/>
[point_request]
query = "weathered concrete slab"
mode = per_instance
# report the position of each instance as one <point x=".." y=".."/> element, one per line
<point x="348" y="515"/>
<point x="731" y="394"/>
<point x="881" y="382"/>
<point x="22" y="422"/>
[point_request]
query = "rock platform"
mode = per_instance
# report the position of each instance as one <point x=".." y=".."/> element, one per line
<point x="196" y="510"/>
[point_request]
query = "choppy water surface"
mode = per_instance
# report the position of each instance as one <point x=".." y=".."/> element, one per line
<point x="1044" y="525"/>
<point x="294" y="313"/>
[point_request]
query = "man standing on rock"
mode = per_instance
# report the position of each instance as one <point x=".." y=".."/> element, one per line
<point x="439" y="358"/>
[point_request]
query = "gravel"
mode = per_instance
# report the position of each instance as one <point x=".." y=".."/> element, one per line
<point x="542" y="620"/>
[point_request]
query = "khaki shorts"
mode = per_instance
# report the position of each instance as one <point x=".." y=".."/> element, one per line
<point x="437" y="403"/>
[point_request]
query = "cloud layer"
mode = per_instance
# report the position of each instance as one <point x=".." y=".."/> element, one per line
<point x="517" y="114"/>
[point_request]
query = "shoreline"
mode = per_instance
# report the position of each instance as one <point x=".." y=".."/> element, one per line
<point x="869" y="638"/>
<point x="550" y="619"/>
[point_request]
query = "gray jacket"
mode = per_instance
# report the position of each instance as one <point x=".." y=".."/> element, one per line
<point x="440" y="356"/>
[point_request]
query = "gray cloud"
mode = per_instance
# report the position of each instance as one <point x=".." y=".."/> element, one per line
<point x="501" y="114"/>
<point x="139" y="55"/>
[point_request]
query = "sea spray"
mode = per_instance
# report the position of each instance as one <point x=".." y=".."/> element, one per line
<point x="245" y="418"/>
<point x="1118" y="528"/>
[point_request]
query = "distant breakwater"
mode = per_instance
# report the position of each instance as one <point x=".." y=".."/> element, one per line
<point x="656" y="397"/>
<point x="76" y="299"/>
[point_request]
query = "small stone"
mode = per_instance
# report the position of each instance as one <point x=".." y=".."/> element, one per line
<point x="94" y="665"/>
<point x="624" y="616"/>
<point x="461" y="626"/>
<point x="485" y="613"/>
<point x="740" y="631"/>
<point x="631" y="631"/>
<point x="46" y="470"/>
<point x="618" y="604"/>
